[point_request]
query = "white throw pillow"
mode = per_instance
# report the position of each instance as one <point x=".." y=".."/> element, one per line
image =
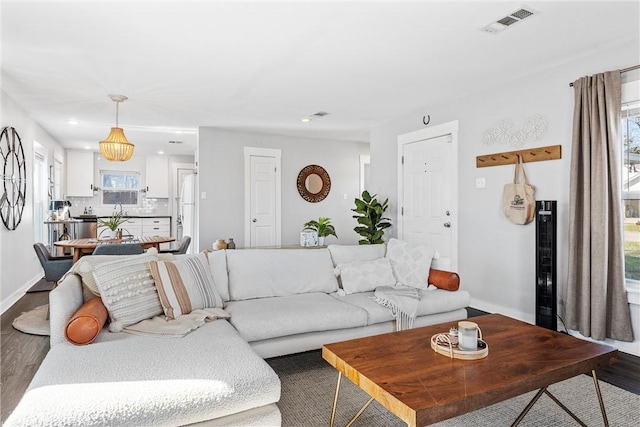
<point x="184" y="285"/>
<point x="365" y="276"/>
<point x="410" y="263"/>
<point x="127" y="290"/>
<point x="218" y="267"/>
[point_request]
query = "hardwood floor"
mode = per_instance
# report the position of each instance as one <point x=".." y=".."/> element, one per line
<point x="21" y="355"/>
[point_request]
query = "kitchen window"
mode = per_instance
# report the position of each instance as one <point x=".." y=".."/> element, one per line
<point x="120" y="188"/>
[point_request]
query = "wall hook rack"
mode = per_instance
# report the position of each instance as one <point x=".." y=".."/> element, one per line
<point x="551" y="152"/>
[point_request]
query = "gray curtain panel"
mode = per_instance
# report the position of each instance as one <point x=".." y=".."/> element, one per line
<point x="595" y="298"/>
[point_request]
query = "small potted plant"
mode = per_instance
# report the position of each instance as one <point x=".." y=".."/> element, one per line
<point x="322" y="227"/>
<point x="112" y="224"/>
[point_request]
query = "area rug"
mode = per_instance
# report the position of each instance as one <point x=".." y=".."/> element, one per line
<point x="34" y="322"/>
<point x="308" y="387"/>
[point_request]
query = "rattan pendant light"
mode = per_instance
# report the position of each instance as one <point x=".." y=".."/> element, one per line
<point x="116" y="148"/>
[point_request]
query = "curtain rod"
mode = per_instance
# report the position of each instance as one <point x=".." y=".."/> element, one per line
<point x="624" y="70"/>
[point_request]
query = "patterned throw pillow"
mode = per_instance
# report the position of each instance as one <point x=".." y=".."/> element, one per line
<point x="184" y="285"/>
<point x="127" y="290"/>
<point x="365" y="276"/>
<point x="87" y="264"/>
<point x="410" y="263"/>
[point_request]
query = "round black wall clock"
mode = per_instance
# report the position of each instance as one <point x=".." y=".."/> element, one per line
<point x="14" y="178"/>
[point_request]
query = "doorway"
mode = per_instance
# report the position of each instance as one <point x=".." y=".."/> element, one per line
<point x="428" y="191"/>
<point x="262" y="197"/>
<point x="184" y="202"/>
<point x="41" y="192"/>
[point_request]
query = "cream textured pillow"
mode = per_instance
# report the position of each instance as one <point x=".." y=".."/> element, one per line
<point x="184" y="285"/>
<point x="365" y="276"/>
<point x="87" y="264"/>
<point x="127" y="290"/>
<point x="410" y="263"/>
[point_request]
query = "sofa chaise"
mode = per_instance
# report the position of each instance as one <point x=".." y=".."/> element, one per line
<point x="280" y="301"/>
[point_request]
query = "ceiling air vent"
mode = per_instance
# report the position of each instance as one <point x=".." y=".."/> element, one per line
<point x="507" y="21"/>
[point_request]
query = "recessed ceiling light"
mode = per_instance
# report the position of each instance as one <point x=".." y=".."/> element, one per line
<point x="86" y="147"/>
<point x="73" y="122"/>
<point x="160" y="152"/>
<point x="305" y="119"/>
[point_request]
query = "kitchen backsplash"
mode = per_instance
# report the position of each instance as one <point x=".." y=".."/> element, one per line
<point x="158" y="207"/>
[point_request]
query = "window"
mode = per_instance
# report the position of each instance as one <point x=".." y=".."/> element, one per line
<point x="630" y="140"/>
<point x="120" y="187"/>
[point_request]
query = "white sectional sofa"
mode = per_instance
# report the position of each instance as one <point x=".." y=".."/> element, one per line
<point x="281" y="301"/>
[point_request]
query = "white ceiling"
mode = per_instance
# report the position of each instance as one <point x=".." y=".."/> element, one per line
<point x="262" y="66"/>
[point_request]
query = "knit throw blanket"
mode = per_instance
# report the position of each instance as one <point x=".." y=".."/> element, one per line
<point x="159" y="326"/>
<point x="402" y="301"/>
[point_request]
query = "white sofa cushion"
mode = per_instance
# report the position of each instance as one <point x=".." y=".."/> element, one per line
<point x="260" y="273"/>
<point x="264" y="318"/>
<point x="218" y="266"/>
<point x="375" y="312"/>
<point x="131" y="380"/>
<point x="441" y="301"/>
<point x="364" y="276"/>
<point x="411" y="263"/>
<point x="185" y="285"/>
<point x="349" y="253"/>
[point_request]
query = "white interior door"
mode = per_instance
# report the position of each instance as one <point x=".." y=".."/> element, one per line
<point x="262" y="198"/>
<point x="428" y="193"/>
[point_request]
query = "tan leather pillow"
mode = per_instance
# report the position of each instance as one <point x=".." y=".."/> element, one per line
<point x="86" y="323"/>
<point x="442" y="279"/>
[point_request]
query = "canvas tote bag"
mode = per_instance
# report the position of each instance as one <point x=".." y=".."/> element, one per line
<point x="518" y="201"/>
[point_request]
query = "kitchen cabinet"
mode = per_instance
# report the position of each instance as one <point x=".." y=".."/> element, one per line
<point x="157" y="177"/>
<point x="133" y="226"/>
<point x="148" y="227"/>
<point x="156" y="227"/>
<point x="79" y="174"/>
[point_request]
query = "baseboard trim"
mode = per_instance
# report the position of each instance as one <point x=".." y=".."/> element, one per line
<point x="492" y="308"/>
<point x="6" y="303"/>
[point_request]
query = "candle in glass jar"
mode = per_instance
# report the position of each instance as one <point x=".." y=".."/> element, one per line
<point x="467" y="336"/>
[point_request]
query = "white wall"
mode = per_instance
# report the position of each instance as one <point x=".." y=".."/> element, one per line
<point x="19" y="266"/>
<point x="497" y="257"/>
<point x="221" y="176"/>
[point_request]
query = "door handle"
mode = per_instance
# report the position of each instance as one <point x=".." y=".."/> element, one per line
<point x="254" y="220"/>
<point x="447" y="225"/>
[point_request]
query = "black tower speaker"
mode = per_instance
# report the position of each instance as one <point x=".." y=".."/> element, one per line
<point x="546" y="265"/>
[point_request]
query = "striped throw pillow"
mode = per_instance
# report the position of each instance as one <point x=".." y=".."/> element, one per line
<point x="184" y="285"/>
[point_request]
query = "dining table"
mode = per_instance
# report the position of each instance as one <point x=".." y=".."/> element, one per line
<point x="82" y="247"/>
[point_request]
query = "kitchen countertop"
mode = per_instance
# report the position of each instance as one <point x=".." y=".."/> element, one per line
<point x="138" y="216"/>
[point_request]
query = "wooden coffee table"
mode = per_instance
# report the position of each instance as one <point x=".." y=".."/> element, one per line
<point x="421" y="387"/>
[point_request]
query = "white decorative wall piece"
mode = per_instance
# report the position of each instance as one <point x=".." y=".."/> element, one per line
<point x="505" y="133"/>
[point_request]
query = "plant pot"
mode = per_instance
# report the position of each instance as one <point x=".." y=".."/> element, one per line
<point x="321" y="240"/>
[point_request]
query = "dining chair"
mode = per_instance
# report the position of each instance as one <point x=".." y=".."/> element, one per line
<point x="54" y="266"/>
<point x="118" y="249"/>
<point x="180" y="248"/>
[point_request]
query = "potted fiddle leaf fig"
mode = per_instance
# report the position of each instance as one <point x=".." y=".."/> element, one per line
<point x="370" y="218"/>
<point x="323" y="227"/>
